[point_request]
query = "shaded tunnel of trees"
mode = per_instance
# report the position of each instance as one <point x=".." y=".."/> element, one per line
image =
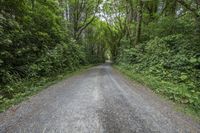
<point x="42" y="38"/>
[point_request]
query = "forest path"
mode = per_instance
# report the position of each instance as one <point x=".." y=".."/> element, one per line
<point x="97" y="101"/>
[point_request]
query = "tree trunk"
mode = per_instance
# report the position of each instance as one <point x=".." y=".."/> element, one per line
<point x="139" y="22"/>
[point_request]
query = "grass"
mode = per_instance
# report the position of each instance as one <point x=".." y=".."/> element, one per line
<point x="31" y="87"/>
<point x="167" y="90"/>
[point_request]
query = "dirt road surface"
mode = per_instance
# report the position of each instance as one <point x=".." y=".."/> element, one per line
<point x="99" y="100"/>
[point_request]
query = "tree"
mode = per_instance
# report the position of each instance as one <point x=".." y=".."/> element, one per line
<point x="81" y="14"/>
<point x="193" y="7"/>
<point x="139" y="21"/>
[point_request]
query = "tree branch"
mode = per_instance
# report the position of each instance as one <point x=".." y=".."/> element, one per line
<point x="187" y="6"/>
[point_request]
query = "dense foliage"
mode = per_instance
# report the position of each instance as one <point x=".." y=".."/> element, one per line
<point x="168" y="50"/>
<point x="37" y="41"/>
<point x="156" y="38"/>
<point x="169" y="59"/>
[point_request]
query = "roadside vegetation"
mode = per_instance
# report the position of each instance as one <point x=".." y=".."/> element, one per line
<point x="32" y="86"/>
<point x="156" y="42"/>
<point x="166" y="55"/>
<point x="39" y="43"/>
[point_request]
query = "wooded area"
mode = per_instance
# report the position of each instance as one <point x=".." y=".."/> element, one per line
<point x="158" y="38"/>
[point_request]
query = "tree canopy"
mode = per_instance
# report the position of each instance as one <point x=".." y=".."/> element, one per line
<point x="40" y="38"/>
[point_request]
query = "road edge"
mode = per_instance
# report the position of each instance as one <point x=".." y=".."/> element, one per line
<point x="175" y="106"/>
<point x="42" y="86"/>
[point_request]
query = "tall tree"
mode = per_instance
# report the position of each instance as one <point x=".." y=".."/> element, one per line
<point x="82" y="14"/>
<point x="139" y="21"/>
<point x="193" y="7"/>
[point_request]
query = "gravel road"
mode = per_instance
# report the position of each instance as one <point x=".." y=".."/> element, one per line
<point x="99" y="100"/>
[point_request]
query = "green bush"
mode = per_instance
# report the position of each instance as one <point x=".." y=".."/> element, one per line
<point x="34" y="43"/>
<point x="171" y="59"/>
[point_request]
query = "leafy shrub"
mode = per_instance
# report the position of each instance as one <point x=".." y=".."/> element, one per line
<point x="34" y="43"/>
<point x="171" y="59"/>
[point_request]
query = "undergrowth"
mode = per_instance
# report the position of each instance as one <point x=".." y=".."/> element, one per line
<point x="178" y="93"/>
<point x="29" y="87"/>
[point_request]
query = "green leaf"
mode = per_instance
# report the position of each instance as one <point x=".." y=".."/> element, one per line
<point x="1" y="61"/>
<point x="193" y="60"/>
<point x="183" y="77"/>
